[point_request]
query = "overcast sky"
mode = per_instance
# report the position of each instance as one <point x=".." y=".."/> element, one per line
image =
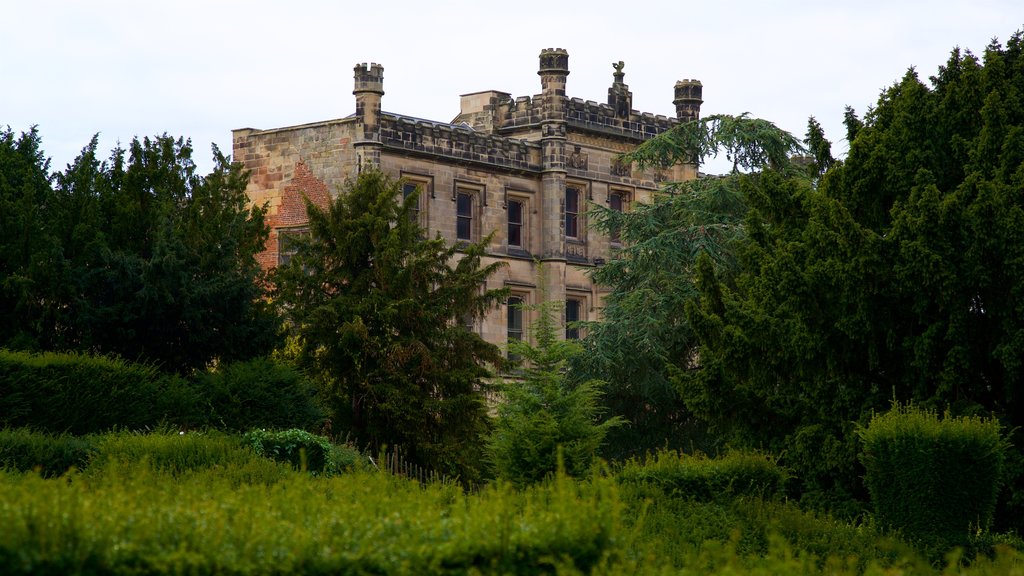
<point x="199" y="68"/>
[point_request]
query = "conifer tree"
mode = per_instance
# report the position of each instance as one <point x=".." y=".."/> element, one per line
<point x="542" y="416"/>
<point x="380" y="312"/>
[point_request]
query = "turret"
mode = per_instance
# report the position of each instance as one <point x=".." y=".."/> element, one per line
<point x="369" y="87"/>
<point x="554" y="67"/>
<point x="688" y="99"/>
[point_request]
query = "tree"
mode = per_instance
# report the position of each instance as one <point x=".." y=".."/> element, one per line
<point x="26" y="246"/>
<point x="644" y="334"/>
<point x="379" y="312"/>
<point x="142" y="258"/>
<point x="541" y="415"/>
<point x="898" y="278"/>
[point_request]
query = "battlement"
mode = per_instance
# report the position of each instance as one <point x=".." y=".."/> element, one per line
<point x="369" y="78"/>
<point x="459" y="143"/>
<point x="554" y="61"/>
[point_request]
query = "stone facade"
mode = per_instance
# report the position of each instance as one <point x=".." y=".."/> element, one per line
<point x="525" y="168"/>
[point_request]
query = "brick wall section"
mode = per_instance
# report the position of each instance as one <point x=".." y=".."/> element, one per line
<point x="292" y="211"/>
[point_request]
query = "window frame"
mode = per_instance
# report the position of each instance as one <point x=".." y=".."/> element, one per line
<point x="624" y="196"/>
<point x="478" y="199"/>
<point x="284" y="256"/>
<point x="572" y="216"/>
<point x="426" y="185"/>
<point x="577" y="303"/>
<point x="515" y="308"/>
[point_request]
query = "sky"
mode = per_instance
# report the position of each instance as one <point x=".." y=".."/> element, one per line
<point x="200" y="68"/>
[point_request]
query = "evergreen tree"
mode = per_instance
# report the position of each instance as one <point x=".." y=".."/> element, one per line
<point x="379" y="313"/>
<point x="541" y="415"/>
<point x="27" y="247"/>
<point x="140" y="257"/>
<point x="644" y="334"/>
<point x="899" y="277"/>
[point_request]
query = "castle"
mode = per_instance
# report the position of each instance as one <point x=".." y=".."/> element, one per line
<point x="526" y="168"/>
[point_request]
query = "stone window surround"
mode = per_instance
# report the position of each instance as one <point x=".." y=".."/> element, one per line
<point x="478" y="193"/>
<point x="426" y="184"/>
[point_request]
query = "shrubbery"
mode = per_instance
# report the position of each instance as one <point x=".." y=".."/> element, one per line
<point x="258" y="393"/>
<point x="172" y="452"/>
<point x="82" y="394"/>
<point x="934" y="479"/>
<point x="50" y="454"/>
<point x="701" y="478"/>
<point x="302" y="450"/>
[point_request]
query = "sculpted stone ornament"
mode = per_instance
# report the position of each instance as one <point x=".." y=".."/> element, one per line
<point x="619" y="74"/>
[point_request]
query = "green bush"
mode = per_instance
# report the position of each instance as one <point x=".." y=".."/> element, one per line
<point x="50" y="454"/>
<point x="82" y="394"/>
<point x="258" y="393"/>
<point x="173" y="452"/>
<point x="304" y="451"/>
<point x="701" y="478"/>
<point x="934" y="479"/>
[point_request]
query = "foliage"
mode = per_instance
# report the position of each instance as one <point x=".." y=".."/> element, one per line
<point x="673" y="474"/>
<point x="898" y="277"/>
<point x="259" y="393"/>
<point x="545" y="422"/>
<point x="48" y="454"/>
<point x="202" y="522"/>
<point x="304" y="451"/>
<point x="137" y="256"/>
<point x="931" y="477"/>
<point x="171" y="452"/>
<point x="26" y="244"/>
<point x="129" y="517"/>
<point x="81" y="394"/>
<point x="379" y="312"/>
<point x="644" y="334"/>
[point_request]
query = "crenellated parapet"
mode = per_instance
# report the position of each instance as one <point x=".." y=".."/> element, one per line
<point x="458" y="143"/>
<point x="588" y="115"/>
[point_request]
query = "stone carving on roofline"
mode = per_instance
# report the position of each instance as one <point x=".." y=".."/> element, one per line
<point x="619" y="97"/>
<point x="577" y="159"/>
<point x="619" y="74"/>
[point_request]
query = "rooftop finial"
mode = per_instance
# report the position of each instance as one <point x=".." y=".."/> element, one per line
<point x="619" y="74"/>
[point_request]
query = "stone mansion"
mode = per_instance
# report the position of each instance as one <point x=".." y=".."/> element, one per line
<point x="526" y="168"/>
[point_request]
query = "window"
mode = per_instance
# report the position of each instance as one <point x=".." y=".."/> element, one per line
<point x="408" y="189"/>
<point x="572" y="212"/>
<point x="286" y="245"/>
<point x="515" y="321"/>
<point x="464" y="216"/>
<point x="572" y="314"/>
<point x="515" y="223"/>
<point x="412" y="182"/>
<point x="616" y="202"/>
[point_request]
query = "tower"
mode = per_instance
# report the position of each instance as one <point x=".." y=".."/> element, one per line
<point x="553" y="71"/>
<point x="368" y="90"/>
<point x="687" y="99"/>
